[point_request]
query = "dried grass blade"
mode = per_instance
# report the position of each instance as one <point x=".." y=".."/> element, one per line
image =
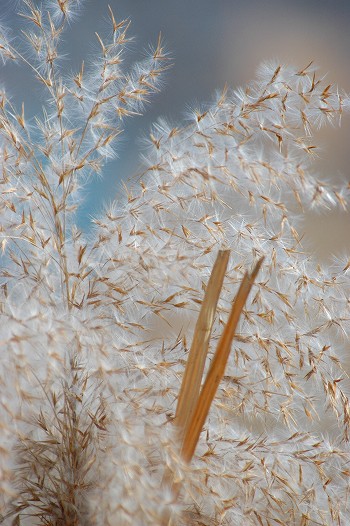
<point x="217" y="367"/>
<point x="191" y="382"/>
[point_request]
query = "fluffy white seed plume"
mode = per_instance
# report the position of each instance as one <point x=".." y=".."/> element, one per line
<point x="276" y="443"/>
<point x="95" y="334"/>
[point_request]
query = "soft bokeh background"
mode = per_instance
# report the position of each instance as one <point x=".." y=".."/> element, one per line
<point x="212" y="42"/>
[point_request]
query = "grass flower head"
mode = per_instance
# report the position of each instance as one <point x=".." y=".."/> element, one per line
<point x="121" y="402"/>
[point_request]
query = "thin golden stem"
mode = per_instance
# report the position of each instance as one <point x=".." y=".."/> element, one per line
<point x="191" y="382"/>
<point x="217" y="368"/>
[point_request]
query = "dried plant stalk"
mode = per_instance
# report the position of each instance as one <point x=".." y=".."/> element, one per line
<point x="217" y="368"/>
<point x="193" y="405"/>
<point x="191" y="382"/>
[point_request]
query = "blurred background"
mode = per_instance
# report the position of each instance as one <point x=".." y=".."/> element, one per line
<point x="212" y="42"/>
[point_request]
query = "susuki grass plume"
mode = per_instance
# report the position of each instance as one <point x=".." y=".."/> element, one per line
<point x="120" y="402"/>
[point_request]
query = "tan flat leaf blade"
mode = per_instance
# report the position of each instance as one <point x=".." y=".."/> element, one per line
<point x="192" y="378"/>
<point x="217" y="367"/>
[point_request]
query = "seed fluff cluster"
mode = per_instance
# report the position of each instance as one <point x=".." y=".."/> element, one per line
<point x="96" y="331"/>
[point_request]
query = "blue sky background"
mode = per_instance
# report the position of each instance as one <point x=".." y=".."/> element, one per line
<point x="212" y="42"/>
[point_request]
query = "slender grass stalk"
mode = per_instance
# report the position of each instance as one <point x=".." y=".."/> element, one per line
<point x="194" y="403"/>
<point x="191" y="381"/>
<point x="217" y="368"/>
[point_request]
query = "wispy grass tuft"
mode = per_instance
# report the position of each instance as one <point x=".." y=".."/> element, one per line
<point x="106" y="416"/>
<point x="56" y="456"/>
